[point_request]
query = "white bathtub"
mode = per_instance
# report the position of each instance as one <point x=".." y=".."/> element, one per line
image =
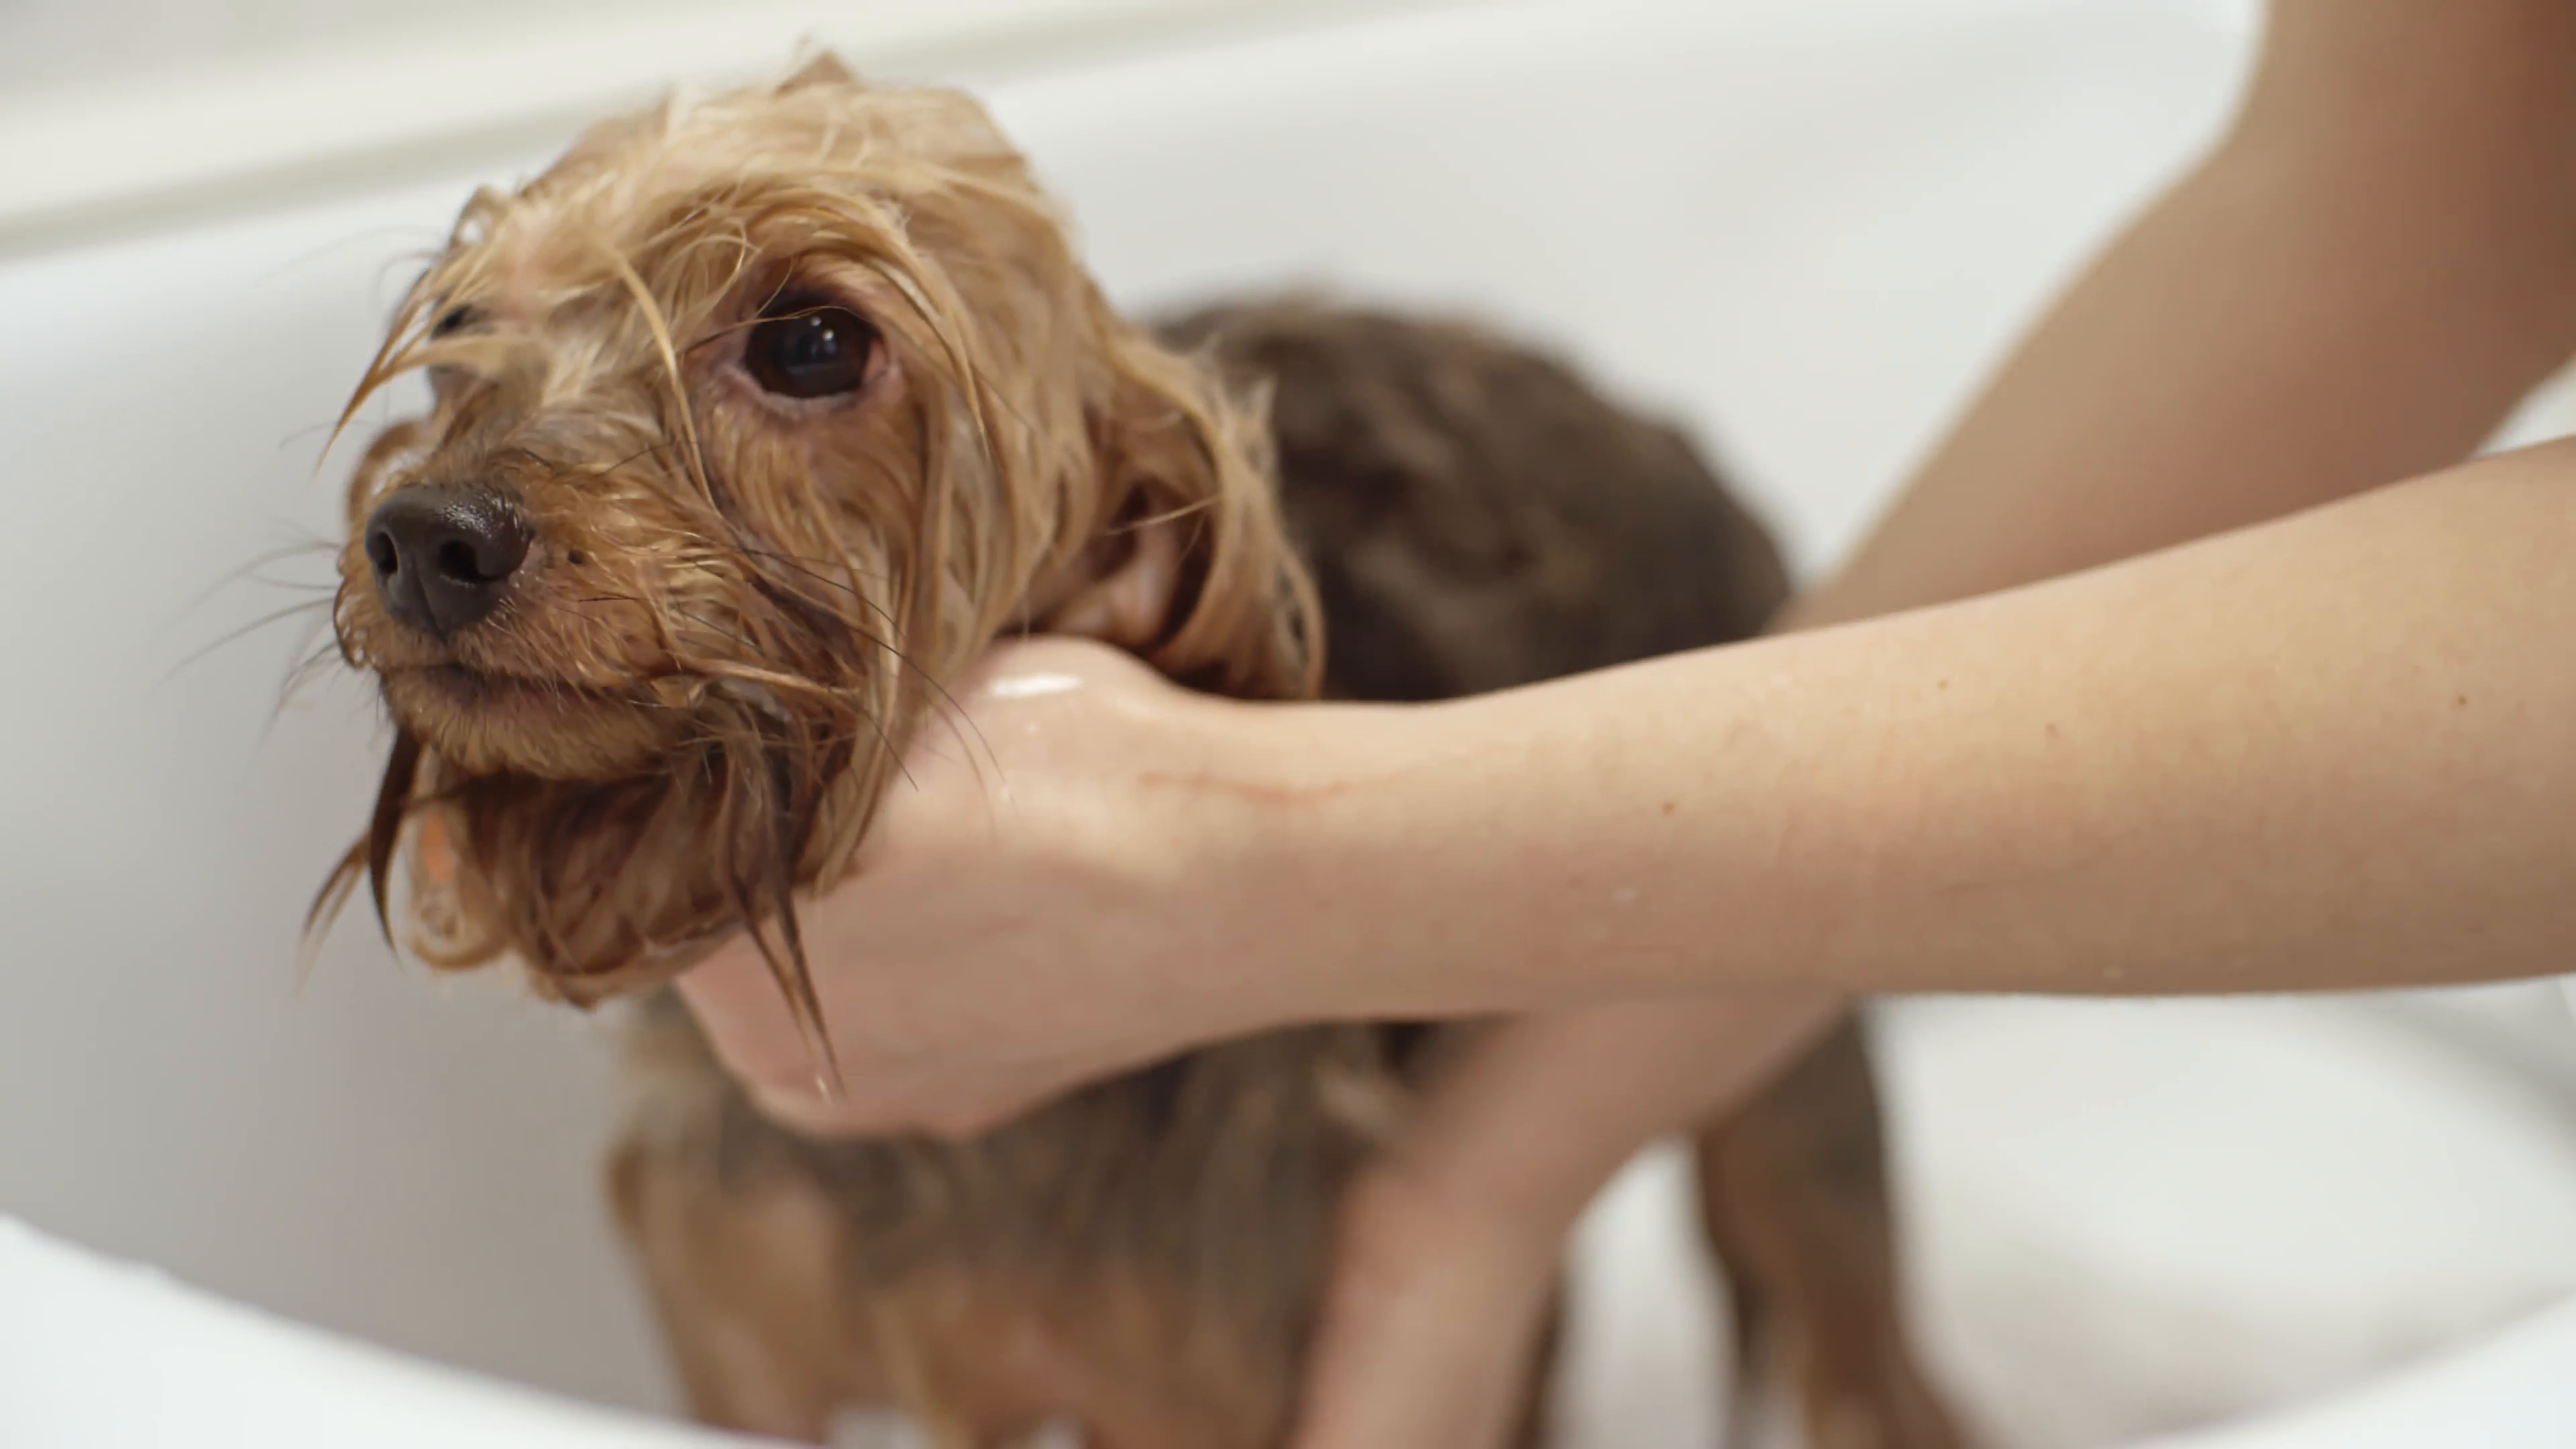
<point x="1806" y="227"/>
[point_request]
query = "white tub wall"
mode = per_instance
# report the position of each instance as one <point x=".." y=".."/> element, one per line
<point x="57" y="44"/>
<point x="1807" y="227"/>
<point x="70" y="45"/>
<point x="244" y="107"/>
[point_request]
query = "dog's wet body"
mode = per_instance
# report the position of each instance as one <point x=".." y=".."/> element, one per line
<point x="760" y="414"/>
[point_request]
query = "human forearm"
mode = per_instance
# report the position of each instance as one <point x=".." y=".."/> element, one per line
<point x="2325" y="752"/>
<point x="1144" y="883"/>
<point x="1540" y="1110"/>
<point x="1451" y="1239"/>
<point x="2354" y="287"/>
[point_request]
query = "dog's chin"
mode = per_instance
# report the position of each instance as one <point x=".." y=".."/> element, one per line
<point x="485" y="724"/>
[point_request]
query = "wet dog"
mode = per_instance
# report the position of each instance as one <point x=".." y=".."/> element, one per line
<point x="760" y="414"/>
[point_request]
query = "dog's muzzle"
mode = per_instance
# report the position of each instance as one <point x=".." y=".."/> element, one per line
<point x="443" y="555"/>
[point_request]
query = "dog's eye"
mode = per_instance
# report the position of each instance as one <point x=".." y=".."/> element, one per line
<point x="454" y="320"/>
<point x="811" y="352"/>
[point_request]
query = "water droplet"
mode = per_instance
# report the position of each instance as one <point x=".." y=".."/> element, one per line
<point x="1027" y="686"/>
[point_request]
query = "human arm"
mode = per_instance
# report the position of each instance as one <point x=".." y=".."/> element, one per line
<point x="2168" y="396"/>
<point x="2329" y="751"/>
<point x="2352" y="287"/>
<point x="2332" y="751"/>
<point x="1451" y="1240"/>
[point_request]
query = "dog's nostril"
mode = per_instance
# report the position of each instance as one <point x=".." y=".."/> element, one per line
<point x="456" y="560"/>
<point x="443" y="555"/>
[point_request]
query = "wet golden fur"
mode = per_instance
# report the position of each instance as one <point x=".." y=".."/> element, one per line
<point x="736" y="610"/>
<point x="695" y="597"/>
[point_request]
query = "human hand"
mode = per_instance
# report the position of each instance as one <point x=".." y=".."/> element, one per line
<point x="1452" y="1242"/>
<point x="1432" y="1316"/>
<point x="1031" y="910"/>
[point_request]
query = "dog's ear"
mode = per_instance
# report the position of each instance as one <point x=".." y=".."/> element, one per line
<point x="1121" y="590"/>
<point x="1198" y="574"/>
<point x="825" y="69"/>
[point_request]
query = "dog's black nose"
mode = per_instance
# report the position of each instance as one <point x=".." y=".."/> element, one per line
<point x="442" y="555"/>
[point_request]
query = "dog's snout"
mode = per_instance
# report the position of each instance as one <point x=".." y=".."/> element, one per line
<point x="443" y="555"/>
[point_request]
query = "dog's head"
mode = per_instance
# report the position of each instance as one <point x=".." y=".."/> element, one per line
<point x="756" y="417"/>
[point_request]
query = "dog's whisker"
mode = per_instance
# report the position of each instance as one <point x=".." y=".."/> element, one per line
<point x="292" y="586"/>
<point x="814" y="563"/>
<point x="250" y="568"/>
<point x="244" y="631"/>
<point x="806" y="569"/>
<point x="303" y="672"/>
<point x="297" y="675"/>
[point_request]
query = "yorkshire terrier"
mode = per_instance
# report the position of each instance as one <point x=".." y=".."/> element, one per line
<point x="756" y="417"/>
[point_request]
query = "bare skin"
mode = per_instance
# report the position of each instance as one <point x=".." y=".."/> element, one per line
<point x="2304" y="360"/>
<point x="2325" y="751"/>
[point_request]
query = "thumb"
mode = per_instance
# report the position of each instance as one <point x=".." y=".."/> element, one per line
<point x="746" y="1021"/>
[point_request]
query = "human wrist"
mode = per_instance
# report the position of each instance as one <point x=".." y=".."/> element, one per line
<point x="1284" y="827"/>
<point x="1538" y="849"/>
<point x="1504" y="853"/>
